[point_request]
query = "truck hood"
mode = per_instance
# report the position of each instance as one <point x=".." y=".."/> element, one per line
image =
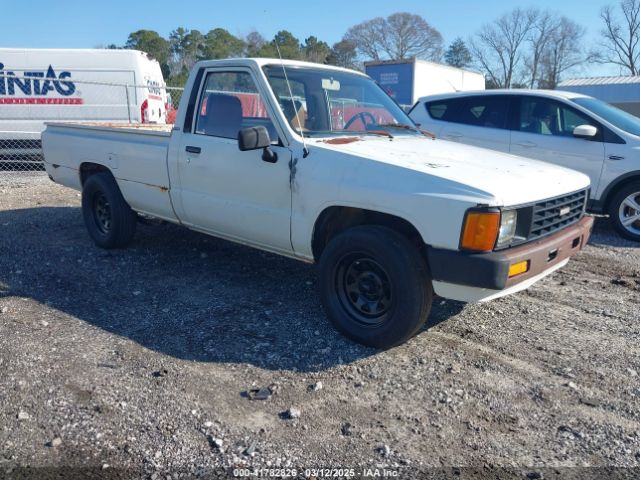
<point x="497" y="179"/>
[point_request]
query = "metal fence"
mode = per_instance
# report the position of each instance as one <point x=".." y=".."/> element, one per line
<point x="28" y="103"/>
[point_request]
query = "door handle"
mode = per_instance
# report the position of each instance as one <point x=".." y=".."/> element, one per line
<point x="616" y="157"/>
<point x="191" y="149"/>
<point x="454" y="135"/>
<point x="526" y="144"/>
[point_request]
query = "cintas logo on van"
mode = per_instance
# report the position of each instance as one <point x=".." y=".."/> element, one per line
<point x="37" y="88"/>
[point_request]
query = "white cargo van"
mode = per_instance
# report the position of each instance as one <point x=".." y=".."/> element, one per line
<point x="40" y="85"/>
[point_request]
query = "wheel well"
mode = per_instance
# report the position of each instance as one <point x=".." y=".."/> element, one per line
<point x="335" y="220"/>
<point x="87" y="169"/>
<point x="611" y="192"/>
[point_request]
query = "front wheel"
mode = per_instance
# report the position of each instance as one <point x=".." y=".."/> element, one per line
<point x="374" y="286"/>
<point x="624" y="211"/>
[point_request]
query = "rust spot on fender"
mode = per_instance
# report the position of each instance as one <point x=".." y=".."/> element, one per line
<point x="162" y="188"/>
<point x="342" y="140"/>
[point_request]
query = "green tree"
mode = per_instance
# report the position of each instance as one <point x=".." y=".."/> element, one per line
<point x="152" y="43"/>
<point x="288" y="44"/>
<point x="219" y="43"/>
<point x="315" y="50"/>
<point x="186" y="47"/>
<point x="458" y="55"/>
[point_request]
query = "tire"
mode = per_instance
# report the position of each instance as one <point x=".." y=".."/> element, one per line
<point x="374" y="286"/>
<point x="109" y="220"/>
<point x="621" y="209"/>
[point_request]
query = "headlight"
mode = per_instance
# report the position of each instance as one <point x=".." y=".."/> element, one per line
<point x="508" y="222"/>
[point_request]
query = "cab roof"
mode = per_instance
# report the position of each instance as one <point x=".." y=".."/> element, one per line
<point x="261" y="62"/>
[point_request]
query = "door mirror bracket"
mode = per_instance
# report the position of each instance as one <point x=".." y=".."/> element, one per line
<point x="255" y="138"/>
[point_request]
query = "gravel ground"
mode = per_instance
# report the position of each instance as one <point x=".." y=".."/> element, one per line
<point x="186" y="354"/>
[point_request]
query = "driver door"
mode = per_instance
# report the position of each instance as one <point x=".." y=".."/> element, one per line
<point x="224" y="191"/>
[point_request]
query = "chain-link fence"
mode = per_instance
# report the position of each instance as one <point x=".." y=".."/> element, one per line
<point x="28" y="103"/>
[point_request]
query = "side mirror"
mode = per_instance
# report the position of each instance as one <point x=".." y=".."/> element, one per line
<point x="585" y="131"/>
<point x="255" y="138"/>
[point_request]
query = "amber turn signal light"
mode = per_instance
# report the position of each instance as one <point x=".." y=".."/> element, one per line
<point x="480" y="231"/>
<point x="518" y="268"/>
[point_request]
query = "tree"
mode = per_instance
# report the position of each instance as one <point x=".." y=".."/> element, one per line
<point x="315" y="50"/>
<point x="186" y="48"/>
<point x="543" y="27"/>
<point x="152" y="43"/>
<point x="288" y="44"/>
<point x="254" y="42"/>
<point x="621" y="38"/>
<point x="499" y="47"/>
<point x="458" y="55"/>
<point x="219" y="43"/>
<point x="397" y="37"/>
<point x="564" y="51"/>
<point x="343" y="54"/>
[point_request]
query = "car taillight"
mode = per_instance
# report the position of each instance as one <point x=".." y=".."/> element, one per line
<point x="144" y="108"/>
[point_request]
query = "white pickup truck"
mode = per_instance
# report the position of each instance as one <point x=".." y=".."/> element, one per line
<point x="317" y="163"/>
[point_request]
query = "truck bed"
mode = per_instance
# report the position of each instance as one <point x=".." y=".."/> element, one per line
<point x="136" y="154"/>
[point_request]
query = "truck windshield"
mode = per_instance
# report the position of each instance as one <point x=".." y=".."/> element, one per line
<point x="618" y="118"/>
<point x="324" y="102"/>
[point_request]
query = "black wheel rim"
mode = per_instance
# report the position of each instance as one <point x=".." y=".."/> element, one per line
<point x="102" y="212"/>
<point x="364" y="289"/>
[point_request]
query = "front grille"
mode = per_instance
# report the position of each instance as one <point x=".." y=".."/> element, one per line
<point x="551" y="215"/>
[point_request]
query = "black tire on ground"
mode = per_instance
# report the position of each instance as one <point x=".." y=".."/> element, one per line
<point x="109" y="219"/>
<point x="621" y="207"/>
<point x="375" y="286"/>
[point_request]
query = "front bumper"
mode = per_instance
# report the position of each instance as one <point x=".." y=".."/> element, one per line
<point x="481" y="276"/>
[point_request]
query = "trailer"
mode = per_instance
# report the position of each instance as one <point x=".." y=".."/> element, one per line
<point x="407" y="80"/>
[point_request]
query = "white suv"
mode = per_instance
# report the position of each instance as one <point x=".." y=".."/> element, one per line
<point x="564" y="128"/>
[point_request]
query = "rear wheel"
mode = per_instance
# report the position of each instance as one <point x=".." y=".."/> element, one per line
<point x="109" y="220"/>
<point x="624" y="211"/>
<point x="374" y="286"/>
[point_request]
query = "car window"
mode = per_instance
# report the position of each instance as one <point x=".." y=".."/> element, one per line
<point x="545" y="116"/>
<point x="228" y="103"/>
<point x="488" y="111"/>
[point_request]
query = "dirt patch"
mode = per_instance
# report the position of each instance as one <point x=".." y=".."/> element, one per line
<point x="137" y="360"/>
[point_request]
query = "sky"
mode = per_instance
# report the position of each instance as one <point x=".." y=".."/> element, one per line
<point x="86" y="24"/>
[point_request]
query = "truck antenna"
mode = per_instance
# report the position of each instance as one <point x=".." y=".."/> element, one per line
<point x="305" y="150"/>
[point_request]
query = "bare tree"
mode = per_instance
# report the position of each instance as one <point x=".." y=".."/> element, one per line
<point x="543" y="27"/>
<point x="621" y="37"/>
<point x="563" y="52"/>
<point x="368" y="37"/>
<point x="500" y="47"/>
<point x="397" y="37"/>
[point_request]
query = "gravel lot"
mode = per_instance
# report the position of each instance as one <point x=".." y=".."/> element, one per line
<point x="152" y="362"/>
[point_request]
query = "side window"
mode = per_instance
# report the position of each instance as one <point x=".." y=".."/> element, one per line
<point x="228" y="103"/>
<point x="550" y="117"/>
<point x="437" y="109"/>
<point x="488" y="111"/>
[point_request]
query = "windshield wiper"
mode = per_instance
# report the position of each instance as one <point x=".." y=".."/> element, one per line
<point x="379" y="133"/>
<point x="408" y="127"/>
